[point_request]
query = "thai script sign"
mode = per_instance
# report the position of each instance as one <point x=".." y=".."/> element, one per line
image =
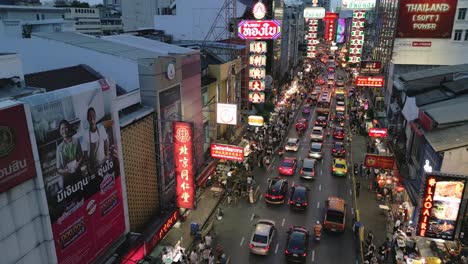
<point x="358" y="4"/>
<point x="259" y="29"/>
<point x="314" y="12"/>
<point x="378" y="132"/>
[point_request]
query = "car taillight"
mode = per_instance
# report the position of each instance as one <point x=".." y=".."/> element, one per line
<point x="287" y="252"/>
<point x="333" y="169"/>
<point x="266" y="248"/>
<point x="304" y="254"/>
<point x="343" y="151"/>
<point x="305" y="203"/>
<point x="300" y="171"/>
<point x="334" y="150"/>
<point x="251" y="246"/>
<point x="291" y="202"/>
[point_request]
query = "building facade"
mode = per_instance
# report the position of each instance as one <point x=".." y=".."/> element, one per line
<point x="138" y="14"/>
<point x="87" y="20"/>
<point x="111" y="21"/>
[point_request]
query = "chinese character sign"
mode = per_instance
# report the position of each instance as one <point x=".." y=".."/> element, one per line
<point x="183" y="155"/>
<point x="257" y="72"/>
<point x="311" y="37"/>
<point x="356" y="41"/>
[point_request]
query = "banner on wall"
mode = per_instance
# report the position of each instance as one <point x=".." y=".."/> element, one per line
<point x="183" y="155"/>
<point x="370" y="67"/>
<point x="371" y="81"/>
<point x="377" y="161"/>
<point x="77" y="133"/>
<point x="16" y="157"/>
<point x="227" y="152"/>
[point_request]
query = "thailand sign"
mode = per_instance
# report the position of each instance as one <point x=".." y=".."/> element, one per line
<point x="259" y="29"/>
<point x="256" y="97"/>
<point x="378" y="132"/>
<point x="356" y="41"/>
<point x="377" y="161"/>
<point x="79" y="155"/>
<point x="357" y="4"/>
<point x="314" y="12"/>
<point x="183" y="156"/>
<point x="226" y="114"/>
<point x="374" y="81"/>
<point x="255" y="120"/>
<point x="257" y="60"/>
<point x="256" y="85"/>
<point x="258" y="47"/>
<point x="227" y="152"/>
<point x="439" y="212"/>
<point x="16" y="157"/>
<point x="426" y="18"/>
<point x="370" y="67"/>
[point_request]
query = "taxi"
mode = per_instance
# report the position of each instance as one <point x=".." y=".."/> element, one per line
<point x="339" y="167"/>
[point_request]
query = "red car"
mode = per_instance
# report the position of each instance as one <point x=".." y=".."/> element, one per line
<point x="288" y="166"/>
<point x="320" y="81"/>
<point x="321" y="121"/>
<point x="301" y="123"/>
<point x="338" y="149"/>
<point x="339" y="133"/>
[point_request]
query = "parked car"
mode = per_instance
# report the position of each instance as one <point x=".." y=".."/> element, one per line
<point x="299" y="198"/>
<point x="297" y="244"/>
<point x="288" y="166"/>
<point x="338" y="149"/>
<point x="277" y="190"/>
<point x="317" y="134"/>
<point x="308" y="169"/>
<point x="315" y="151"/>
<point x="260" y="242"/>
<point x="292" y="144"/>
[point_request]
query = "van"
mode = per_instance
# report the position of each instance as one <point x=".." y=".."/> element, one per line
<point x="308" y="169"/>
<point x="335" y="216"/>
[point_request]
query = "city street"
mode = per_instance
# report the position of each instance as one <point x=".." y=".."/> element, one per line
<point x="235" y="229"/>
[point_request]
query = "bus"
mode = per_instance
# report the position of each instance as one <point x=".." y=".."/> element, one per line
<point x="324" y="102"/>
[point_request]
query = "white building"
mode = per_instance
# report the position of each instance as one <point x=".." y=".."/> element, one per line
<point x="21" y="21"/>
<point x="191" y="20"/>
<point x="25" y="228"/>
<point x="138" y="14"/>
<point x="87" y="20"/>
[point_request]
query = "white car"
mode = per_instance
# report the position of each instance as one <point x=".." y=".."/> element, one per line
<point x="317" y="134"/>
<point x="260" y="242"/>
<point x="340" y="106"/>
<point x="292" y="145"/>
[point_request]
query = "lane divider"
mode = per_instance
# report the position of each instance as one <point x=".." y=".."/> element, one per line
<point x="242" y="242"/>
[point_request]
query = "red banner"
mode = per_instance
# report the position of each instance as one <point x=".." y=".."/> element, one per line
<point x="377" y="161"/>
<point x="426" y="18"/>
<point x="227" y="152"/>
<point x="378" y="132"/>
<point x="16" y="158"/>
<point x="259" y="29"/>
<point x="375" y="81"/>
<point x="330" y="29"/>
<point x="183" y="159"/>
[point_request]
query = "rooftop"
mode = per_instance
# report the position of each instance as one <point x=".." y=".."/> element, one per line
<point x="99" y="45"/>
<point x="149" y="44"/>
<point x="31" y="8"/>
<point x="448" y="138"/>
<point x="64" y="77"/>
<point x="449" y="111"/>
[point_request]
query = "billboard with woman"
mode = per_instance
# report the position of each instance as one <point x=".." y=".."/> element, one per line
<point x="77" y="134"/>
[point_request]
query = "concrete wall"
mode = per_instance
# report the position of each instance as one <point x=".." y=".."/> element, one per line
<point x="138" y="14"/>
<point x="10" y="66"/>
<point x="455" y="161"/>
<point x="40" y="54"/>
<point x="31" y="15"/>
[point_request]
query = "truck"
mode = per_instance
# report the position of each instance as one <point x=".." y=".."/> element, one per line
<point x="335" y="216"/>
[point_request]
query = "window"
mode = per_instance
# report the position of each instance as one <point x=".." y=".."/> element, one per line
<point x="458" y="35"/>
<point x="461" y="13"/>
<point x="42" y="16"/>
<point x="38" y="17"/>
<point x="466" y="35"/>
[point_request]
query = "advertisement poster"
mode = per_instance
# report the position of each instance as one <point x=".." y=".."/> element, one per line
<point x="227" y="152"/>
<point x="76" y="132"/>
<point x="426" y="18"/>
<point x="356" y="40"/>
<point x="16" y="157"/>
<point x="170" y="109"/>
<point x="340" y="30"/>
<point x="183" y="153"/>
<point x="380" y="162"/>
<point x="439" y="213"/>
<point x="259" y="29"/>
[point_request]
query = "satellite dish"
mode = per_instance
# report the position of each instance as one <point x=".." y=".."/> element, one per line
<point x="268" y="80"/>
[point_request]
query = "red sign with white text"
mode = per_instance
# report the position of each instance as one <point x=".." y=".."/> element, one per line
<point x="259" y="29"/>
<point x="330" y="15"/>
<point x="377" y="161"/>
<point x="378" y="132"/>
<point x="374" y="81"/>
<point x="227" y="152"/>
<point x="183" y="159"/>
<point x="16" y="158"/>
<point x="330" y="29"/>
<point x="426" y="18"/>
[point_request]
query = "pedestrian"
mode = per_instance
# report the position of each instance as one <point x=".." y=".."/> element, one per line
<point x="193" y="257"/>
<point x="388" y="248"/>
<point x="397" y="225"/>
<point x="211" y="258"/>
<point x="206" y="255"/>
<point x="201" y="246"/>
<point x="362" y="169"/>
<point x="358" y="187"/>
<point x="208" y="240"/>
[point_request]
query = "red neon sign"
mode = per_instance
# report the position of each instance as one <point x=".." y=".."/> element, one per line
<point x="375" y="81"/>
<point x="378" y="132"/>
<point x="162" y="231"/>
<point x="330" y="24"/>
<point x="227" y="152"/>
<point x="259" y="29"/>
<point x="427" y="205"/>
<point x="330" y="15"/>
<point x="183" y="159"/>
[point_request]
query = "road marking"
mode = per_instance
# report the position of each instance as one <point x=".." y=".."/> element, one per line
<point x="282" y="222"/>
<point x="260" y="198"/>
<point x="276" y="248"/>
<point x="293" y="183"/>
<point x="252" y="217"/>
<point x="318" y="204"/>
<point x="313" y="255"/>
<point x="242" y="242"/>
<point x="320" y="187"/>
<point x="321" y="171"/>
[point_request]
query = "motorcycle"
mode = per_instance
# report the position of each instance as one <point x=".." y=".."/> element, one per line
<point x="280" y="152"/>
<point x="317" y="232"/>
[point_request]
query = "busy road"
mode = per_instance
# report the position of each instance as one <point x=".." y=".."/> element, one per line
<point x="235" y="229"/>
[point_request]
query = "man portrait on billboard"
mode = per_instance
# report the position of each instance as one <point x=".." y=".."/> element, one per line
<point x="96" y="144"/>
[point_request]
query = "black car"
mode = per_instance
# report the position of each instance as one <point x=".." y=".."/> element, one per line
<point x="339" y="116"/>
<point x="299" y="198"/>
<point x="297" y="244"/>
<point x="321" y="121"/>
<point x="277" y="190"/>
<point x="338" y="149"/>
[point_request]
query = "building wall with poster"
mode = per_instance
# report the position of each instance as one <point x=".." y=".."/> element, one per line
<point x="140" y="169"/>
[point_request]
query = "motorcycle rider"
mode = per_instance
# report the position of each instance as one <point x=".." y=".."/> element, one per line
<point x="317" y="229"/>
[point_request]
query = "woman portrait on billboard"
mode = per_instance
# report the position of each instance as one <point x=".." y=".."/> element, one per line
<point x="69" y="154"/>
